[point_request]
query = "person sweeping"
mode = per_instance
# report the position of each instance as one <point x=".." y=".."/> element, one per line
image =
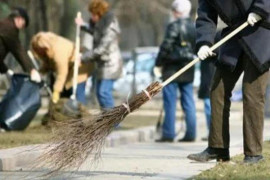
<point x="242" y="54"/>
<point x="81" y="139"/>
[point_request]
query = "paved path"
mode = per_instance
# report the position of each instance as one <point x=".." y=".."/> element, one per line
<point x="148" y="161"/>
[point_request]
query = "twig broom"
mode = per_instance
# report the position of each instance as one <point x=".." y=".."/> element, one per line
<point x="80" y="139"/>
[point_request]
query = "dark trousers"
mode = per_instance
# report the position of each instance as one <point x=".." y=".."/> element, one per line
<point x="254" y="87"/>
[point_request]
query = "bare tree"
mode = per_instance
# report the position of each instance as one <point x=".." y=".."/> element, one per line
<point x="44" y="18"/>
<point x="142" y="22"/>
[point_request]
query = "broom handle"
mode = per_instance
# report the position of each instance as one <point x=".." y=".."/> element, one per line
<point x="214" y="47"/>
<point x="76" y="61"/>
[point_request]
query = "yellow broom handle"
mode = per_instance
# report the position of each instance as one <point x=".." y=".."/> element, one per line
<point x="214" y="47"/>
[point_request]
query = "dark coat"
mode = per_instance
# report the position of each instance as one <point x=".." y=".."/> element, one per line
<point x="178" y="32"/>
<point x="233" y="13"/>
<point x="9" y="42"/>
<point x="208" y="69"/>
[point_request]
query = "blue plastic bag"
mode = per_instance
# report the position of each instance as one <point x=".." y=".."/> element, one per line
<point x="20" y="104"/>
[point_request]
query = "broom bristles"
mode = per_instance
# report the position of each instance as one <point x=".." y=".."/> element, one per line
<point x="80" y="139"/>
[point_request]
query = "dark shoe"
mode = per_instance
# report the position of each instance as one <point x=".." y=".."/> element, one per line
<point x="163" y="139"/>
<point x="186" y="140"/>
<point x="210" y="154"/>
<point x="253" y="159"/>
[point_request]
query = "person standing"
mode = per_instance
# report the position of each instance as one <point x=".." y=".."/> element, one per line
<point x="243" y="53"/>
<point x="10" y="43"/>
<point x="104" y="27"/>
<point x="176" y="51"/>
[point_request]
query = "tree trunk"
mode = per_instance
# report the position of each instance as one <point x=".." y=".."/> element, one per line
<point x="43" y="11"/>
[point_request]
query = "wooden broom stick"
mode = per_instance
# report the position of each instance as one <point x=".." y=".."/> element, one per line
<point x="214" y="47"/>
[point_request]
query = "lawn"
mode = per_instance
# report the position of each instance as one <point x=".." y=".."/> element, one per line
<point x="236" y="170"/>
<point x="33" y="135"/>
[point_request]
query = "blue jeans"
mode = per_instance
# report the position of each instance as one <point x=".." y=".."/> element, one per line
<point x="188" y="106"/>
<point x="104" y="93"/>
<point x="80" y="93"/>
<point x="207" y="111"/>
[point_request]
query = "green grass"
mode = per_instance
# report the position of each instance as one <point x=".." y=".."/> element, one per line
<point x="236" y="170"/>
<point x="32" y="135"/>
<point x="138" y="121"/>
<point x="36" y="134"/>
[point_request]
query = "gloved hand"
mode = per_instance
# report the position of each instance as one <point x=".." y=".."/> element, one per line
<point x="79" y="21"/>
<point x="205" y="52"/>
<point x="10" y="73"/>
<point x="87" y="56"/>
<point x="34" y="76"/>
<point x="158" y="71"/>
<point x="253" y="18"/>
<point x="55" y="97"/>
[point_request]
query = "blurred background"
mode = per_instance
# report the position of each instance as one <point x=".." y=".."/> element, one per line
<point x="142" y="24"/>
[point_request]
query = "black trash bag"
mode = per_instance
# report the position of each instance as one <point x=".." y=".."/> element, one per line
<point x="20" y="104"/>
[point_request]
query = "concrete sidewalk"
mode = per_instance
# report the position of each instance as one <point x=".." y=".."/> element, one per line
<point x="148" y="160"/>
<point x="14" y="158"/>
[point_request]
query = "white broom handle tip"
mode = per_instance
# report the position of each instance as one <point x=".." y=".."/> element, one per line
<point x="79" y="14"/>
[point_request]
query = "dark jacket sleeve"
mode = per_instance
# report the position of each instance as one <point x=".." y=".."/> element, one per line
<point x="261" y="7"/>
<point x="206" y="24"/>
<point x="88" y="27"/>
<point x="20" y="54"/>
<point x="167" y="45"/>
<point x="3" y="67"/>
